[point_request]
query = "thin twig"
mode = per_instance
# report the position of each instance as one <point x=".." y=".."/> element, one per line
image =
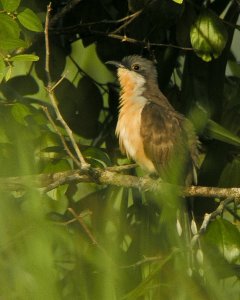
<point x="133" y="17"/>
<point x="211" y="216"/>
<point x="82" y="215"/>
<point x="124" y="38"/>
<point x="143" y="261"/>
<point x="69" y="152"/>
<point x="84" y="164"/>
<point x="87" y="230"/>
<point x="82" y="72"/>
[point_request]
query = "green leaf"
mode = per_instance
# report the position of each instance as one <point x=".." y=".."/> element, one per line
<point x="230" y="176"/>
<point x="3" y="137"/>
<point x="10" y="5"/>
<point x="19" y="86"/>
<point x="30" y="20"/>
<point x="98" y="157"/>
<point x="8" y="73"/>
<point x="24" y="57"/>
<point x="11" y="44"/>
<point x="2" y="69"/>
<point x="58" y="201"/>
<point x="178" y="1"/>
<point x="9" y="28"/>
<point x="226" y="237"/>
<point x="218" y="132"/>
<point x="20" y="112"/>
<point x="208" y="36"/>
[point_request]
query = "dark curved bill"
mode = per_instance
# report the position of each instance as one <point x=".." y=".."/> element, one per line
<point x="114" y="63"/>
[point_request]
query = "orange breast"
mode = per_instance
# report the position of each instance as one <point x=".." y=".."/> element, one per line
<point x="129" y="120"/>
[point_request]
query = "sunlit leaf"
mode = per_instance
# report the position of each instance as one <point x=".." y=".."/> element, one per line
<point x="9" y="28"/>
<point x="9" y="44"/>
<point x="24" y="57"/>
<point x="208" y="36"/>
<point x="30" y="20"/>
<point x="10" y="5"/>
<point x="178" y="1"/>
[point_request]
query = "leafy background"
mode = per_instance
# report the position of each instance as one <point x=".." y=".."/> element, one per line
<point x="125" y="244"/>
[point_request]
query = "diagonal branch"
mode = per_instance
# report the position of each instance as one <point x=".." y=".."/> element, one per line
<point x="50" y="89"/>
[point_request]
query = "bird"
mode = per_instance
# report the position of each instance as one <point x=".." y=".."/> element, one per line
<point x="151" y="132"/>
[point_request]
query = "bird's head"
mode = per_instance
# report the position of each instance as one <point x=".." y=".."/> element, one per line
<point x="135" y="70"/>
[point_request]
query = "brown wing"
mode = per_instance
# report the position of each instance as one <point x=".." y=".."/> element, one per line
<point x="166" y="141"/>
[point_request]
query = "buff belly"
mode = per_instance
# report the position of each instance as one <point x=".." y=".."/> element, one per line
<point x="130" y="141"/>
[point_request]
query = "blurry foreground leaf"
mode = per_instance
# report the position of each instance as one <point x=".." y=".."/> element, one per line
<point x="20" y="112"/>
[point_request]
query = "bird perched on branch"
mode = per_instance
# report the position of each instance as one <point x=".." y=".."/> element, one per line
<point x="150" y="130"/>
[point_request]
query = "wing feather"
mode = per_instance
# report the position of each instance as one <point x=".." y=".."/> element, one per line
<point x="165" y="136"/>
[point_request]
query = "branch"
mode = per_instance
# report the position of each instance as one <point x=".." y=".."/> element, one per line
<point x="50" y="89"/>
<point x="107" y="177"/>
<point x="113" y="35"/>
<point x="66" y="9"/>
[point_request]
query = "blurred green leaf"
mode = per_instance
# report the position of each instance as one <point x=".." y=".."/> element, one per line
<point x="216" y="131"/>
<point x="2" y="69"/>
<point x="10" y="5"/>
<point x="208" y="36"/>
<point x="3" y="136"/>
<point x="8" y="73"/>
<point x="58" y="201"/>
<point x="30" y="20"/>
<point x="57" y="165"/>
<point x="20" y="112"/>
<point x="225" y="237"/>
<point x="24" y="57"/>
<point x="230" y="176"/>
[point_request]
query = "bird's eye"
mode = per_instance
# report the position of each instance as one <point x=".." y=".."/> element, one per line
<point x="135" y="67"/>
